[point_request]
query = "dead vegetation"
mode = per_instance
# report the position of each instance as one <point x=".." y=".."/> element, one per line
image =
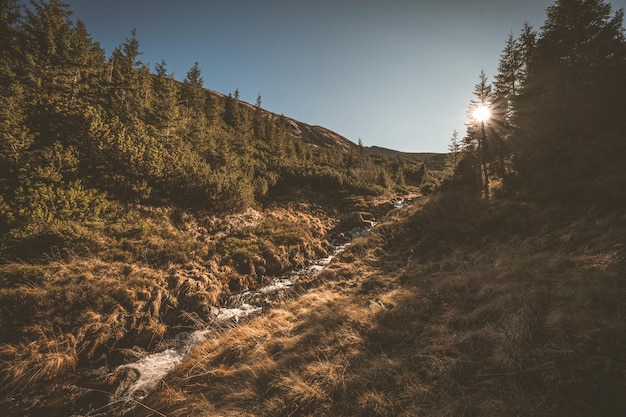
<point x="514" y="324"/>
<point x="135" y="282"/>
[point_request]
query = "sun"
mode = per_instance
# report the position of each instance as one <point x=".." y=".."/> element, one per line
<point x="482" y="113"/>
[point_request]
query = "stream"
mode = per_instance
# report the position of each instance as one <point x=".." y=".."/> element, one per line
<point x="152" y="368"/>
<point x="88" y="392"/>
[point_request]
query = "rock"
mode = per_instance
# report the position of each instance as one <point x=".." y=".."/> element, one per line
<point x="124" y="377"/>
<point x="356" y="219"/>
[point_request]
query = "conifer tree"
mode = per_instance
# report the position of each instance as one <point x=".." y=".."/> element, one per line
<point x="258" y="124"/>
<point x="196" y="109"/>
<point x="15" y="137"/>
<point x="575" y="84"/>
<point x="454" y="150"/>
<point x="164" y="111"/>
<point x="193" y="91"/>
<point x="130" y="79"/>
<point x="47" y="33"/>
<point x="87" y="59"/>
<point x="9" y="18"/>
<point x="232" y="113"/>
<point x="507" y="87"/>
<point x="477" y="129"/>
<point x="526" y="45"/>
<point x="506" y="82"/>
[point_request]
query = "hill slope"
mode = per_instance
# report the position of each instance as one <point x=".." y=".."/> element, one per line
<point x="523" y="320"/>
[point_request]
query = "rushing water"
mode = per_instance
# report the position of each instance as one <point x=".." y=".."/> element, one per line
<point x="154" y="367"/>
<point x="90" y="392"/>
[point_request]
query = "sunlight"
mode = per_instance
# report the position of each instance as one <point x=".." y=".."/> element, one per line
<point x="482" y="113"/>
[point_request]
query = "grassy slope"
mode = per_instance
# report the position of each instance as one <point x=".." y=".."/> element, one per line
<point x="519" y="316"/>
<point x="434" y="161"/>
<point x="132" y="283"/>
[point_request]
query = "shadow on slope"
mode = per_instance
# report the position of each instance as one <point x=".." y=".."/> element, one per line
<point x="516" y="324"/>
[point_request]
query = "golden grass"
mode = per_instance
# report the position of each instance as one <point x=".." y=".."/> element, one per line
<point x="134" y="279"/>
<point x="58" y="314"/>
<point x="526" y="326"/>
<point x="45" y="358"/>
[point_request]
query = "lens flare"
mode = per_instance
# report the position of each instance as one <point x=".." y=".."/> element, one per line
<point x="481" y="113"/>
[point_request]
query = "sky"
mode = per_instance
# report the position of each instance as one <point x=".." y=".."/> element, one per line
<point x="392" y="73"/>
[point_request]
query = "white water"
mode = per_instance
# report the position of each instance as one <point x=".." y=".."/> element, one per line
<point x="154" y="367"/>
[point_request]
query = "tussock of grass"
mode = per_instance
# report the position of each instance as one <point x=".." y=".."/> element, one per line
<point x="45" y="358"/>
<point x="59" y="314"/>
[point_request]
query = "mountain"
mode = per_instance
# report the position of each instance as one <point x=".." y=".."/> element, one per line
<point x="320" y="136"/>
<point x="434" y="161"/>
<point x="311" y="134"/>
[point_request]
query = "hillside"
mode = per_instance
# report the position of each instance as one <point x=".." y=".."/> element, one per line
<point x="313" y="135"/>
<point x="169" y="250"/>
<point x="436" y="162"/>
<point x="517" y="317"/>
<point x="134" y="205"/>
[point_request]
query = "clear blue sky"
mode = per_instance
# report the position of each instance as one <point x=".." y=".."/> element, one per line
<point x="394" y="73"/>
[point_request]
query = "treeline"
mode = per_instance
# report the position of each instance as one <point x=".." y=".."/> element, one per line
<point x="555" y="121"/>
<point x="80" y="130"/>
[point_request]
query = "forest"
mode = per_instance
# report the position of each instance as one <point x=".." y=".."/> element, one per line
<point x="132" y="204"/>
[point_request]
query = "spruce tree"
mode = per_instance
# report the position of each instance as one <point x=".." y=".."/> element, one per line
<point x="477" y="129"/>
<point x="454" y="150"/>
<point x="232" y="112"/>
<point x="258" y="123"/>
<point x="193" y="93"/>
<point x="130" y="80"/>
<point x="575" y="86"/>
<point x="9" y="51"/>
<point x="164" y="111"/>
<point x="506" y="82"/>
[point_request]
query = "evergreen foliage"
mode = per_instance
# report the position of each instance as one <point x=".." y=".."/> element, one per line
<point x="557" y="116"/>
<point x="80" y="131"/>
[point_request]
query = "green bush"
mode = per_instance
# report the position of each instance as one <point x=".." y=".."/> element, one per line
<point x="51" y="208"/>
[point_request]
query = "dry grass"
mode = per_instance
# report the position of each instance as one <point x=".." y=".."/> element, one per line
<point x="58" y="314"/>
<point x="518" y="312"/>
<point x="531" y="325"/>
<point x="48" y="356"/>
<point x="148" y="270"/>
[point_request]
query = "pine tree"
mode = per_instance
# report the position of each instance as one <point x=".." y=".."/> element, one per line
<point x="87" y="59"/>
<point x="526" y="45"/>
<point x="46" y="47"/>
<point x="454" y="148"/>
<point x="193" y="93"/>
<point x="232" y="112"/>
<point x="477" y="130"/>
<point x="15" y="137"/>
<point x="258" y="124"/>
<point x="164" y="111"/>
<point x="196" y="109"/>
<point x="575" y="85"/>
<point x="130" y="80"/>
<point x="9" y="18"/>
<point x="508" y="84"/>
